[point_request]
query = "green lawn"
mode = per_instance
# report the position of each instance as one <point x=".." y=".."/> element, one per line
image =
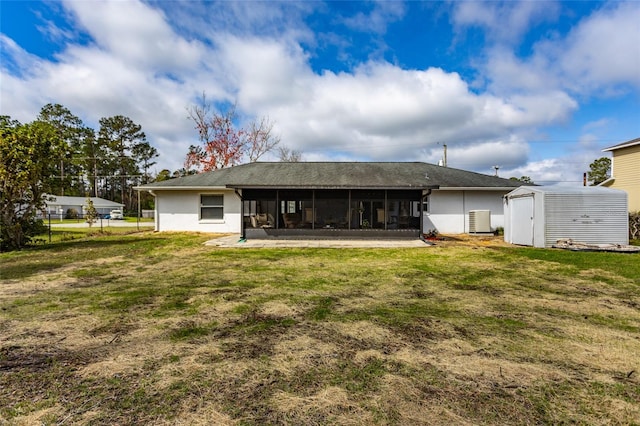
<point x="104" y="221"/>
<point x="62" y="233"/>
<point x="157" y="328"/>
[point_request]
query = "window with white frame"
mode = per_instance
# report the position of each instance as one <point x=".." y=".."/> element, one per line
<point x="211" y="207"/>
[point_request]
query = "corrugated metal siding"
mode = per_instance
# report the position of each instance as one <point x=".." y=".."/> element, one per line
<point x="600" y="219"/>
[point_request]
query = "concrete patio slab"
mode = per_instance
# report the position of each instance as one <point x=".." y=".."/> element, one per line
<point x="235" y="241"/>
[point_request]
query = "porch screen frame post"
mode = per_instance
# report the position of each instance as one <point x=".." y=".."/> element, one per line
<point x="278" y="209"/>
<point x="385" y="209"/>
<point x="349" y="212"/>
<point x="313" y="209"/>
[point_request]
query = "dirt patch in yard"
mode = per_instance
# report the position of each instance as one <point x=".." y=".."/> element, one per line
<point x="470" y="240"/>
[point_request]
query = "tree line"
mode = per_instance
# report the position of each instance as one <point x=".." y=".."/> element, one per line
<point x="106" y="163"/>
<point x="57" y="154"/>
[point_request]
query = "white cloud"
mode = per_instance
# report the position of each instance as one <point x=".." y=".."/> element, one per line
<point x="567" y="168"/>
<point x="263" y="73"/>
<point x="503" y="22"/>
<point x="603" y="122"/>
<point x="599" y="56"/>
<point x="208" y="19"/>
<point x="379" y="111"/>
<point x="137" y="67"/>
<point x="17" y="99"/>
<point x="381" y="15"/>
<point x="482" y="156"/>
<point x="136" y="34"/>
<point x="146" y="67"/>
<point x="509" y="74"/>
<point x="544" y="172"/>
<point x="602" y="51"/>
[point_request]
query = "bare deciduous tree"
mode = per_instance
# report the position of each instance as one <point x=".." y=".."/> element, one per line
<point x="223" y="143"/>
<point x="260" y="139"/>
<point x="286" y="154"/>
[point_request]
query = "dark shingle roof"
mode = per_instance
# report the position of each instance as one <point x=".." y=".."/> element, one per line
<point x="336" y="175"/>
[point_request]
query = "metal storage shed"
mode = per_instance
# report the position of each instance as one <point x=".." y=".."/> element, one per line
<point x="539" y="216"/>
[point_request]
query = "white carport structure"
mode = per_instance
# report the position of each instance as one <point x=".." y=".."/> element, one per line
<point x="57" y="205"/>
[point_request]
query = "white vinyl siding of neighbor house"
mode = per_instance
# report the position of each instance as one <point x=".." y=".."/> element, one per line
<point x="448" y="210"/>
<point x="198" y="211"/>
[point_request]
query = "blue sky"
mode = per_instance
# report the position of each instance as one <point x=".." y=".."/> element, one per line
<point x="537" y="88"/>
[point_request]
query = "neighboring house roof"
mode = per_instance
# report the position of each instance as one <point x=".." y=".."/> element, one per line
<point x="334" y="175"/>
<point x="63" y="200"/>
<point x="626" y="144"/>
<point x="607" y="182"/>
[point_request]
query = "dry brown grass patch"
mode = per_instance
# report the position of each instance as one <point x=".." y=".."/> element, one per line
<point x="198" y="335"/>
<point x="327" y="406"/>
<point x="294" y="353"/>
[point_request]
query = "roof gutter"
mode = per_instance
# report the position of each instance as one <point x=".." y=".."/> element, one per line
<point x="607" y="182"/>
<point x="179" y="188"/>
<point x="622" y="145"/>
<point x="478" y="188"/>
<point x="381" y="187"/>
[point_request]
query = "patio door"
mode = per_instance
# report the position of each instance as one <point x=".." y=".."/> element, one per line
<point x="296" y="209"/>
<point x="368" y="209"/>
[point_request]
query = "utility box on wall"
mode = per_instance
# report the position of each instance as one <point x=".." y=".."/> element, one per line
<point x="479" y="221"/>
<point x="539" y="216"/>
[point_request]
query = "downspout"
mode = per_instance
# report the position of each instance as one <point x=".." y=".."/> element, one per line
<point x="464" y="214"/>
<point x="424" y="197"/>
<point x="156" y="211"/>
<point x="243" y="235"/>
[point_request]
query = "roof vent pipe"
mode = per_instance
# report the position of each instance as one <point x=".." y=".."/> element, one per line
<point x="444" y="161"/>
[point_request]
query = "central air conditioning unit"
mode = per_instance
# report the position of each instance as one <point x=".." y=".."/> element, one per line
<point x="479" y="221"/>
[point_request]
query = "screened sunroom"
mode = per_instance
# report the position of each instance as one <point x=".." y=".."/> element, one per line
<point x="323" y="211"/>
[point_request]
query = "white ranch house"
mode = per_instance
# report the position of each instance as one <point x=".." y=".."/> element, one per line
<point x="394" y="199"/>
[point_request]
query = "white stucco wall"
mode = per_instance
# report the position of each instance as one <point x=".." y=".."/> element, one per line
<point x="448" y="210"/>
<point x="180" y="211"/>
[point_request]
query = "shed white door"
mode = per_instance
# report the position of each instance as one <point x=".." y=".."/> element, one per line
<point x="522" y="221"/>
